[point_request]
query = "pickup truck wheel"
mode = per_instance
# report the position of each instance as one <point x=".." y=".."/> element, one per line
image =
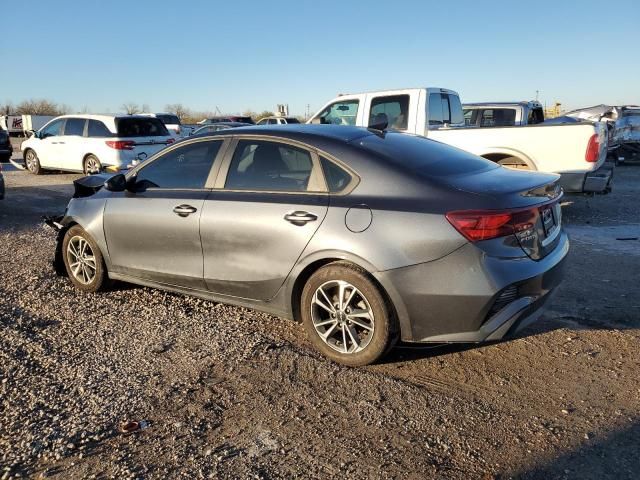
<point x="32" y="162"/>
<point x="514" y="163"/>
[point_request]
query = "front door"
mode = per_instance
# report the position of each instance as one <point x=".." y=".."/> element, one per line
<point x="48" y="148"/>
<point x="153" y="232"/>
<point x="255" y="226"/>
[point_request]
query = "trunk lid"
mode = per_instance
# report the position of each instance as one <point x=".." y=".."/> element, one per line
<point x="532" y="199"/>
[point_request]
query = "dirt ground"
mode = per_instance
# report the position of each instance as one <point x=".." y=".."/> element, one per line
<point x="232" y="393"/>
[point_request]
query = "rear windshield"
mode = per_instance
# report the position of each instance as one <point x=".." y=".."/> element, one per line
<point x="140" y="127"/>
<point x="425" y="157"/>
<point x="169" y="119"/>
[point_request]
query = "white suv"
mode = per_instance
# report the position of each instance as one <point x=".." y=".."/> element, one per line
<point x="91" y="143"/>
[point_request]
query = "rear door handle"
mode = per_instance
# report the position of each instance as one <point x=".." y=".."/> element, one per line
<point x="300" y="217"/>
<point x="185" y="210"/>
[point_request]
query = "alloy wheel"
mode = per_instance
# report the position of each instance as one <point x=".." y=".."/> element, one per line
<point x="31" y="161"/>
<point x="92" y="165"/>
<point x="342" y="316"/>
<point x="82" y="261"/>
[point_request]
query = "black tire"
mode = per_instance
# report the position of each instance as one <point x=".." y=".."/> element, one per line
<point x="100" y="280"/>
<point x="32" y="162"/>
<point x="5" y="158"/>
<point x="514" y="163"/>
<point x="91" y="165"/>
<point x="370" y="346"/>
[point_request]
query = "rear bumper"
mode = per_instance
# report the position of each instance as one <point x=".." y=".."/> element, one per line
<point x="453" y="299"/>
<point x="597" y="181"/>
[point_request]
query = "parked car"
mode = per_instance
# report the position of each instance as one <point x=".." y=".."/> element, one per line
<point x="502" y="114"/>
<point x="172" y="122"/>
<point x="230" y="118"/>
<point x="366" y="237"/>
<point x="577" y="152"/>
<point x="89" y="143"/>
<point x="6" y="150"/>
<point x="1" y="184"/>
<point x="214" y="127"/>
<point x="277" y="121"/>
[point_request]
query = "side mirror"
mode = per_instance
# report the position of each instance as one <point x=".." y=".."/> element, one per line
<point x="117" y="183"/>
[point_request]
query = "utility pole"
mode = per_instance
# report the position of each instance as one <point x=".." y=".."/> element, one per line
<point x="537" y="91"/>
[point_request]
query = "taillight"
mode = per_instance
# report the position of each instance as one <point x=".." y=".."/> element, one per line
<point x="170" y="141"/>
<point x="121" y="144"/>
<point x="593" y="149"/>
<point x="476" y="225"/>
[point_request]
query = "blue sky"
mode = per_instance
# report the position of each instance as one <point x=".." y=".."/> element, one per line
<point x="255" y="54"/>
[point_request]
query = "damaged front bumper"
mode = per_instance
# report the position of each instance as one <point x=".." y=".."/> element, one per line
<point x="55" y="222"/>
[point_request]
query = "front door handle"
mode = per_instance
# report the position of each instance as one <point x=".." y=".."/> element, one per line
<point x="300" y="217"/>
<point x="185" y="210"/>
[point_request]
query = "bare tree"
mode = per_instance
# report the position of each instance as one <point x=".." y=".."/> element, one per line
<point x="37" y="107"/>
<point x="145" y="108"/>
<point x="6" y="108"/>
<point x="131" y="108"/>
<point x="179" y="110"/>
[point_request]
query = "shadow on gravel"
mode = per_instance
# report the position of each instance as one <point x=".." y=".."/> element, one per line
<point x="616" y="455"/>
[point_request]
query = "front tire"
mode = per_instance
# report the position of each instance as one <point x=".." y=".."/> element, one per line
<point x="346" y="316"/>
<point x="32" y="162"/>
<point x="91" y="165"/>
<point x="83" y="261"/>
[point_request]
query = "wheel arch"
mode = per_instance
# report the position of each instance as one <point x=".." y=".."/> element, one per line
<point x="495" y="155"/>
<point x="304" y="273"/>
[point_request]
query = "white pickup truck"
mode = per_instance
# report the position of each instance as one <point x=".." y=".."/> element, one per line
<point x="576" y="151"/>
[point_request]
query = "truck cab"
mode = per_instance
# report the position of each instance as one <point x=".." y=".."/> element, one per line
<point x="407" y="110"/>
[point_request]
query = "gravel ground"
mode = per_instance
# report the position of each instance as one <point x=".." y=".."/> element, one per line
<point x="228" y="392"/>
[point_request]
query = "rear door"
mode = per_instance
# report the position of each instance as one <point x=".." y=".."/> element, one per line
<point x="72" y="144"/>
<point x="154" y="232"/>
<point x="269" y="200"/>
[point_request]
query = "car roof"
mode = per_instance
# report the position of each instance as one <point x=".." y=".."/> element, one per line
<point x="502" y="104"/>
<point x="102" y="116"/>
<point x="227" y="124"/>
<point x="300" y="131"/>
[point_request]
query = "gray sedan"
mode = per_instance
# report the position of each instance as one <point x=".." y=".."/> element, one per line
<point x="366" y="237"/>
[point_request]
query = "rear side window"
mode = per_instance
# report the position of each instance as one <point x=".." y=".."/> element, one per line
<point x="98" y="129"/>
<point x="293" y="120"/>
<point x="444" y="108"/>
<point x="336" y="177"/>
<point x="74" y="126"/>
<point x="340" y="113"/>
<point x="169" y="119"/>
<point x="536" y="115"/>
<point x="396" y="109"/>
<point x="185" y="167"/>
<point x="141" y="127"/>
<point x="271" y="166"/>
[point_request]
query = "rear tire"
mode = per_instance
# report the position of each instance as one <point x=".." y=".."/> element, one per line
<point x="32" y="162"/>
<point x="355" y="330"/>
<point x="83" y="261"/>
<point x="91" y="165"/>
<point x="514" y="163"/>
